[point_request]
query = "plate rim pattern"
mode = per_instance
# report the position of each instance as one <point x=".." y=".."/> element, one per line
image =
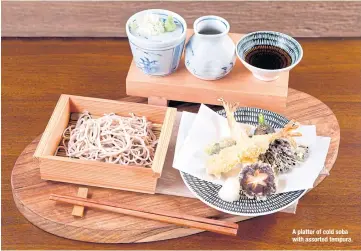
<point x="275" y="120"/>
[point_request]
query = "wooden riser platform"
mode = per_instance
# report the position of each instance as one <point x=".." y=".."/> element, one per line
<point x="238" y="86"/>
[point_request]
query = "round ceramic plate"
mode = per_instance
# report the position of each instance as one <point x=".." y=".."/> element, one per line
<point x="207" y="192"/>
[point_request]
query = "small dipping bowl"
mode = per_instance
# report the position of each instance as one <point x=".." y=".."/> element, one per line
<point x="282" y="51"/>
<point x="157" y="55"/>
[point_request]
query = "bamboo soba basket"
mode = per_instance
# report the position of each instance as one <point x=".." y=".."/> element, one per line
<point x="101" y="174"/>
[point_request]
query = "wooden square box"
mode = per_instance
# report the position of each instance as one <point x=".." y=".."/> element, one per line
<point x="100" y="174"/>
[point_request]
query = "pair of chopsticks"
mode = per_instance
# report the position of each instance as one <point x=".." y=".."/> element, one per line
<point x="217" y="226"/>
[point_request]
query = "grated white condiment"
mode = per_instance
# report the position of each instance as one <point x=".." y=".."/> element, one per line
<point x="230" y="190"/>
<point x="149" y="25"/>
<point x="111" y="138"/>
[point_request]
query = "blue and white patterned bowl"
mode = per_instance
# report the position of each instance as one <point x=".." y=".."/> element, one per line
<point x="207" y="192"/>
<point x="154" y="56"/>
<point x="268" y="39"/>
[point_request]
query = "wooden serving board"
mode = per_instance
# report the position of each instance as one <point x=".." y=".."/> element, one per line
<point x="31" y="193"/>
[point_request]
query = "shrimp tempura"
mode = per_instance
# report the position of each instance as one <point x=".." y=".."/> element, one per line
<point x="246" y="150"/>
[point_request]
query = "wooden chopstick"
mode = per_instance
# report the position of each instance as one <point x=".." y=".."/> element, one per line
<point x="217" y="226"/>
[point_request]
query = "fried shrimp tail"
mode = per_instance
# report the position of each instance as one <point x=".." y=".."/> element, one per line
<point x="238" y="130"/>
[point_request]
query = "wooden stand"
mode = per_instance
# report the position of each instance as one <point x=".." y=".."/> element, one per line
<point x="79" y="210"/>
<point x="238" y="86"/>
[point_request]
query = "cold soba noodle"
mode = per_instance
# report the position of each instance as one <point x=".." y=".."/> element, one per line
<point x="111" y="138"/>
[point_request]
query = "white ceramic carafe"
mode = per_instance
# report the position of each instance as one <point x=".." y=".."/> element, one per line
<point x="210" y="53"/>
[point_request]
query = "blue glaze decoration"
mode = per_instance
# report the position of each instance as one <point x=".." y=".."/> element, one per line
<point x="226" y="69"/>
<point x="157" y="62"/>
<point x="148" y="66"/>
<point x="189" y="46"/>
<point x="177" y="55"/>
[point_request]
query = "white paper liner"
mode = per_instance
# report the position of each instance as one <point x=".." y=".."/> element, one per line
<point x="185" y="125"/>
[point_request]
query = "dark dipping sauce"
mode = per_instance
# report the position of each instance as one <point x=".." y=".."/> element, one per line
<point x="209" y="31"/>
<point x="268" y="57"/>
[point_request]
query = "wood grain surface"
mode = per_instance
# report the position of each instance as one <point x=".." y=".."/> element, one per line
<point x="106" y="227"/>
<point x="79" y="210"/>
<point x="108" y="18"/>
<point x="36" y="71"/>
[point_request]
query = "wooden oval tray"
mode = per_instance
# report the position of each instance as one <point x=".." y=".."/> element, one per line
<point x="31" y="193"/>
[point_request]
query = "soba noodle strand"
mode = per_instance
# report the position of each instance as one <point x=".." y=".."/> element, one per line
<point x="111" y="138"/>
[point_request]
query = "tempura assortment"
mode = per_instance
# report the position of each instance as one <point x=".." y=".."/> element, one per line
<point x="257" y="159"/>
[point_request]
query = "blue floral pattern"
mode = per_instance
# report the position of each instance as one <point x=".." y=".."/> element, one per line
<point x="227" y="69"/>
<point x="157" y="62"/>
<point x="148" y="66"/>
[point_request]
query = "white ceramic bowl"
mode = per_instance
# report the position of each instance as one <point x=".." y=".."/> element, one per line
<point x="269" y="38"/>
<point x="157" y="55"/>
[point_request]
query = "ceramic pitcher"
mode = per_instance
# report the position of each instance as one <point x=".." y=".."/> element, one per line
<point x="210" y="53"/>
